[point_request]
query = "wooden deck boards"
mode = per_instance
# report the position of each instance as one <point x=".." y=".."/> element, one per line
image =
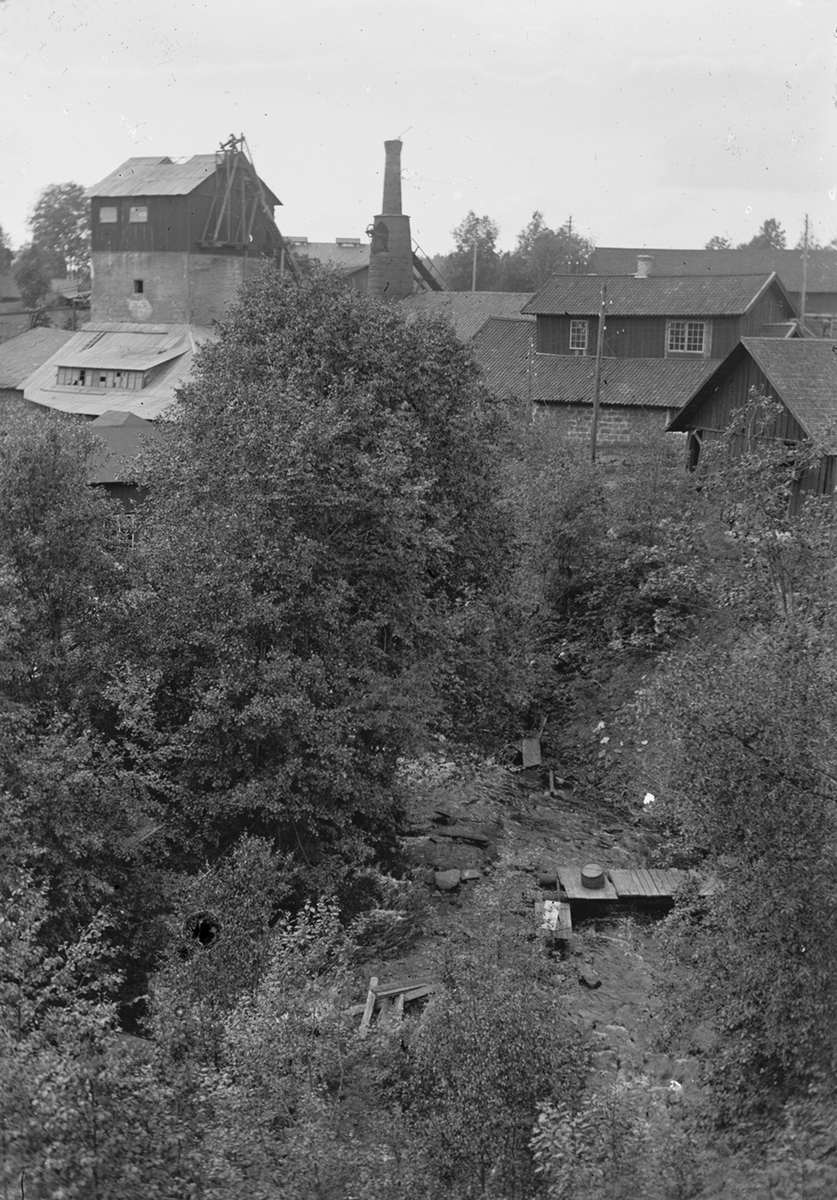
<point x="570" y="880"/>
<point x="642" y="883"/>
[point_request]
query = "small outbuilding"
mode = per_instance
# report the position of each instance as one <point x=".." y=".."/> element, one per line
<point x="799" y="374"/>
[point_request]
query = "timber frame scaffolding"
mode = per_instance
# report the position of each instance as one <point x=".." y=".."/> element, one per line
<point x="239" y="199"/>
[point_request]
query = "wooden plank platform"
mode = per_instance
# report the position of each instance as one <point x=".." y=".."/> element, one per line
<point x="570" y="880"/>
<point x="646" y="883"/>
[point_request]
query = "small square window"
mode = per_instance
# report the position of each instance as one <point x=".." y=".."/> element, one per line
<point x="578" y="337"/>
<point x="108" y="215"/>
<point x="139" y="287"/>
<point x="138" y="212"/>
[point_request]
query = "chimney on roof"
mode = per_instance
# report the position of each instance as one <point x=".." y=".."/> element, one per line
<point x="391" y="206"/>
<point x="644" y="263"/>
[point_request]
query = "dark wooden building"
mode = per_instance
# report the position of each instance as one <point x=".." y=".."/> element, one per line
<point x="655" y="316"/>
<point x="816" y="277"/>
<point x="799" y="374"/>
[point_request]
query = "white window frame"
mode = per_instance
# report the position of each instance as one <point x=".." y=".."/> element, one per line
<point x="577" y="327"/>
<point x="686" y="334"/>
<point x="108" y="214"/>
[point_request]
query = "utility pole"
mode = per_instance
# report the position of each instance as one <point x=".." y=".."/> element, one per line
<point x="474" y="269"/>
<point x="804" y="297"/>
<point x="597" y="379"/>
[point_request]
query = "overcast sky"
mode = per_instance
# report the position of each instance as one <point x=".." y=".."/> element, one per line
<point x="651" y="123"/>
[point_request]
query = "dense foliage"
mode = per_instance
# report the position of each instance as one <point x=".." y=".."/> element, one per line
<point x="203" y="710"/>
<point x="60" y="227"/>
<point x="476" y="264"/>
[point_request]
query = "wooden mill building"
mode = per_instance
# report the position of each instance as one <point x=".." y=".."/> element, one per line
<point x="172" y="240"/>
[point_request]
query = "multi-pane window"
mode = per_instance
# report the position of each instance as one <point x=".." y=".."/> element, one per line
<point x="108" y="214"/>
<point x="578" y="337"/>
<point x="107" y="377"/>
<point x="686" y="337"/>
<point x="138" y="212"/>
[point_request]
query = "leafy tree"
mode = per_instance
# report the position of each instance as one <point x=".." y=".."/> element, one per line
<point x="473" y="235"/>
<point x="748" y="783"/>
<point x="718" y="243"/>
<point x="60" y="225"/>
<point x="771" y="236"/>
<point x="5" y="250"/>
<point x="32" y="276"/>
<point x="322" y="512"/>
<point x="542" y="252"/>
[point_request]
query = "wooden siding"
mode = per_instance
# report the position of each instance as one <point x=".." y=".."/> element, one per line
<point x="715" y="414"/>
<point x="174" y="223"/>
<point x="636" y="337"/>
<point x="553" y="335"/>
<point x="770" y="310"/>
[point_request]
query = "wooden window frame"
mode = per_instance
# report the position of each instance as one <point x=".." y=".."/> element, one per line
<point x="108" y="214"/>
<point x="685" y="329"/>
<point x="579" y="326"/>
<point x="138" y="214"/>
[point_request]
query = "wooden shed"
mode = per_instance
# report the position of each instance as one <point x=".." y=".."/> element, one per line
<point x="799" y="374"/>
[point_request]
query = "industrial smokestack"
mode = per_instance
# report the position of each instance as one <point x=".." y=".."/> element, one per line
<point x="391" y="206"/>
<point x="391" y="249"/>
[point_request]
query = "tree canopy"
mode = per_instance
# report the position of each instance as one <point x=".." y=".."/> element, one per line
<point x="323" y="517"/>
<point x="60" y="225"/>
<point x="31" y="274"/>
<point x="540" y="252"/>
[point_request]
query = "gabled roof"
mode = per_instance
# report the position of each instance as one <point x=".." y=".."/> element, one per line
<point x="821" y="275"/>
<point x="122" y="435"/>
<point x="627" y="382"/>
<point x="654" y="296"/>
<point x="122" y="346"/>
<point x="22" y="355"/>
<point x="160" y="177"/>
<point x="802" y="373"/>
<point x="467" y="311"/>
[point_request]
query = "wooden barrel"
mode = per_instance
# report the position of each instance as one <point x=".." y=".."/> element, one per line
<point x="592" y="877"/>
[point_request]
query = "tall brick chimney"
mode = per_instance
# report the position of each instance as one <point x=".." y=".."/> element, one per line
<point x="391" y="252"/>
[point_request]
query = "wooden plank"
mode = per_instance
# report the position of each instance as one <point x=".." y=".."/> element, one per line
<point x="417" y="993"/>
<point x="531" y="752"/>
<point x="626" y="883"/>
<point x="369" y="1007"/>
<point x="570" y="878"/>
<point x="651" y="889"/>
<point x="406" y="985"/>
<point x="398" y="1007"/>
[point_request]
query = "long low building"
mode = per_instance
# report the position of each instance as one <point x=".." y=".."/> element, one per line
<point x="119" y="368"/>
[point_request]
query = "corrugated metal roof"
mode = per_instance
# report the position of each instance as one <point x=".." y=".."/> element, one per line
<point x="22" y="355"/>
<point x="467" y="311"/>
<point x="822" y="264"/>
<point x="131" y="350"/>
<point x="656" y="296"/>
<point x="155" y="177"/>
<point x="150" y="402"/>
<point x="161" y="177"/>
<point x="123" y="435"/>
<point x="801" y="371"/>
